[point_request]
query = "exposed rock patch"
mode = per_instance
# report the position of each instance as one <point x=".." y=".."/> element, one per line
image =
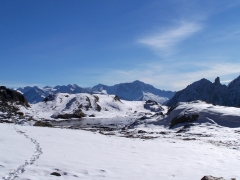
<point x="153" y="106"/>
<point x="43" y="124"/>
<point x="55" y="174"/>
<point x="212" y="178"/>
<point x="183" y="119"/>
<point x="8" y="95"/>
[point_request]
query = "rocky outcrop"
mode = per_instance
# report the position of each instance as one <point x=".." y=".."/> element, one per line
<point x="77" y="114"/>
<point x="55" y="174"/>
<point x="12" y="96"/>
<point x="10" y="101"/>
<point x="212" y="178"/>
<point x="43" y="124"/>
<point x="153" y="106"/>
<point x="183" y="119"/>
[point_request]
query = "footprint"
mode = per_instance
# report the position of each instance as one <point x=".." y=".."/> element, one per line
<point x="20" y="169"/>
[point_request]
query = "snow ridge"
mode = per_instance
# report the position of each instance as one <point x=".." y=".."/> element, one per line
<point x="20" y="169"/>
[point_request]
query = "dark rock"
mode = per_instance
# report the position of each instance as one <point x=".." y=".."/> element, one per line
<point x="8" y="95"/>
<point x="183" y="119"/>
<point x="189" y="139"/>
<point x="20" y="113"/>
<point x="211" y="178"/>
<point x="50" y="97"/>
<point x="185" y="128"/>
<point x="141" y="131"/>
<point x="171" y="109"/>
<point x="96" y="98"/>
<point x="143" y="118"/>
<point x="98" y="108"/>
<point x="77" y="114"/>
<point x="89" y="103"/>
<point x="152" y="106"/>
<point x="92" y="115"/>
<point x="116" y="98"/>
<point x="43" y="124"/>
<point x="55" y="174"/>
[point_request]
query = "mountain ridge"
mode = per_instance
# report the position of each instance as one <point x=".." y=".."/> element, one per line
<point x="211" y="92"/>
<point x="135" y="90"/>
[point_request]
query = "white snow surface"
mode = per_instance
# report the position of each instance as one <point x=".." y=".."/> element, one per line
<point x="208" y="113"/>
<point x="77" y="154"/>
<point x="150" y="96"/>
<point x="209" y="147"/>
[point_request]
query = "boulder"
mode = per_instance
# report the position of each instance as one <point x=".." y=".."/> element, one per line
<point x="55" y="174"/>
<point x="212" y="178"/>
<point x="43" y="124"/>
<point x="183" y="119"/>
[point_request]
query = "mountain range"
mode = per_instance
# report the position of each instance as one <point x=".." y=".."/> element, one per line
<point x="136" y="91"/>
<point x="205" y="90"/>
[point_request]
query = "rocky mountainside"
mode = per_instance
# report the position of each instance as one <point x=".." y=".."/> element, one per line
<point x="214" y="93"/>
<point x="11" y="103"/>
<point x="136" y="90"/>
<point x="11" y="96"/>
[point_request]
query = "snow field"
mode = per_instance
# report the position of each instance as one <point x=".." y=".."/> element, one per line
<point x="77" y="154"/>
<point x="15" y="153"/>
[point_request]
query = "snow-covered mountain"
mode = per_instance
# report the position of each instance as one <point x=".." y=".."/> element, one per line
<point x="136" y="90"/>
<point x="36" y="94"/>
<point x="214" y="93"/>
<point x="84" y="105"/>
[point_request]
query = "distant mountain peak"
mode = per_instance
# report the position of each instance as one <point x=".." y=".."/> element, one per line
<point x="137" y="81"/>
<point x="214" y="93"/>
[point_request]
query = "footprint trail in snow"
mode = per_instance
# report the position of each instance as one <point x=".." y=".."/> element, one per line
<point x="20" y="169"/>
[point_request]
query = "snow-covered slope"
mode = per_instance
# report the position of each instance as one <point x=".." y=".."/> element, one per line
<point x="150" y="96"/>
<point x="77" y="154"/>
<point x="96" y="106"/>
<point x="199" y="112"/>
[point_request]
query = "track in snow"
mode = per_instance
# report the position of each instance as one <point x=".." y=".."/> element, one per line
<point x="20" y="169"/>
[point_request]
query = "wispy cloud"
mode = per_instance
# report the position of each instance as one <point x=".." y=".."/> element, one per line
<point x="166" y="41"/>
<point x="172" y="78"/>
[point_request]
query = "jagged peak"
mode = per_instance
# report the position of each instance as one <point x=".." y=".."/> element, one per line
<point x="217" y="81"/>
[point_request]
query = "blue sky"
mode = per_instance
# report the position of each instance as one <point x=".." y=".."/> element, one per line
<point x="166" y="43"/>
